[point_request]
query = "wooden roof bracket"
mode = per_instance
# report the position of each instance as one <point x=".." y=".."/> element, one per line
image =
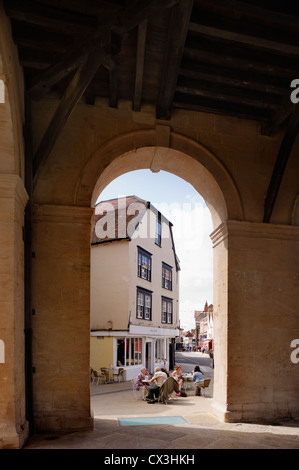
<point x="280" y="164"/>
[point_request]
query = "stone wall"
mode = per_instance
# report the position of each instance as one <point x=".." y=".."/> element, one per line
<point x="218" y="155"/>
<point x="255" y="265"/>
<point x="261" y="322"/>
<point x="13" y="197"/>
<point x="61" y="323"/>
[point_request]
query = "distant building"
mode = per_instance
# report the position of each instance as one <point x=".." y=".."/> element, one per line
<point x="134" y="287"/>
<point x="189" y="339"/>
<point x="179" y="341"/>
<point x="204" y="327"/>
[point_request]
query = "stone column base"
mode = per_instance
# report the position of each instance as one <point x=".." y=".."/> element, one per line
<point x="10" y="439"/>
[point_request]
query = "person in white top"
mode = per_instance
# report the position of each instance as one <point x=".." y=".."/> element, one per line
<point x="177" y="375"/>
<point x="157" y="380"/>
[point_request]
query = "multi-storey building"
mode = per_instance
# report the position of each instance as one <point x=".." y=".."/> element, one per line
<point x="134" y="287"/>
<point x="204" y="327"/>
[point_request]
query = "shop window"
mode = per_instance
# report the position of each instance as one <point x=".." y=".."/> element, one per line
<point x="161" y="350"/>
<point x="133" y="352"/>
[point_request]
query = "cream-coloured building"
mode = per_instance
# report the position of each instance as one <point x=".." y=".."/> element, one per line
<point x="134" y="287"/>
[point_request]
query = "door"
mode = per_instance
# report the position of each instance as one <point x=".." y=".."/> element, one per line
<point x="148" y="357"/>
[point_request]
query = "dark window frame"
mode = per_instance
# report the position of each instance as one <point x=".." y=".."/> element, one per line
<point x="140" y="268"/>
<point x="142" y="314"/>
<point x="167" y="319"/>
<point x="158" y="236"/>
<point x="166" y="283"/>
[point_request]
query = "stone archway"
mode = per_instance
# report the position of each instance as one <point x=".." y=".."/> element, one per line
<point x="194" y="163"/>
<point x="244" y="267"/>
<point x="170" y="152"/>
<point x="172" y="161"/>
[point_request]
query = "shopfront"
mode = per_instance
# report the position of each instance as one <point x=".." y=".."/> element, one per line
<point x="143" y="347"/>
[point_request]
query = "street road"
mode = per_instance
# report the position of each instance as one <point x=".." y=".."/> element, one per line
<point x="189" y="360"/>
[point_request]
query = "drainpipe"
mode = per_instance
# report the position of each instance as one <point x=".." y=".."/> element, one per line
<point x="28" y="264"/>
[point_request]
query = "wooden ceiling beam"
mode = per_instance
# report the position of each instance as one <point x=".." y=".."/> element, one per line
<point x="283" y="113"/>
<point x="228" y="95"/>
<point x="177" y="32"/>
<point x="202" y="82"/>
<point x="243" y="39"/>
<point x="113" y="95"/>
<point x="139" y="10"/>
<point x="243" y="11"/>
<point x="90" y="7"/>
<point x="241" y="81"/>
<point x="112" y="66"/>
<point x="105" y="37"/>
<point x="90" y="95"/>
<point x="54" y="19"/>
<point x="235" y="62"/>
<point x="211" y="107"/>
<point x="72" y="95"/>
<point x="280" y="164"/>
<point x="45" y="43"/>
<point x="42" y="83"/>
<point x="89" y="63"/>
<point x="140" y="53"/>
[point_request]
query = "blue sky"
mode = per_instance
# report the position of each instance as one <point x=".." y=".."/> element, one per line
<point x="153" y="187"/>
<point x="191" y="219"/>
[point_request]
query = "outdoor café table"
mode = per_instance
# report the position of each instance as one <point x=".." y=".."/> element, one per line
<point x="187" y="378"/>
<point x="109" y="374"/>
<point x="146" y="381"/>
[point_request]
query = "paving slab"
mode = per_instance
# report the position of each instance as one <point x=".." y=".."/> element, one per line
<point x="201" y="430"/>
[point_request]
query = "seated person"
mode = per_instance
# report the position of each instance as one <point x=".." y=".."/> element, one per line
<point x="167" y="389"/>
<point x="198" y="379"/>
<point x="164" y="370"/>
<point x="143" y="375"/>
<point x="177" y="375"/>
<point x="157" y="380"/>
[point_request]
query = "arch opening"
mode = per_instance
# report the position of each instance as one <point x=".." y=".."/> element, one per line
<point x="177" y="163"/>
<point x="161" y="159"/>
<point x="183" y="157"/>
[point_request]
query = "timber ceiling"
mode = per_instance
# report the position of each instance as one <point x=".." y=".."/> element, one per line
<point x="231" y="57"/>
